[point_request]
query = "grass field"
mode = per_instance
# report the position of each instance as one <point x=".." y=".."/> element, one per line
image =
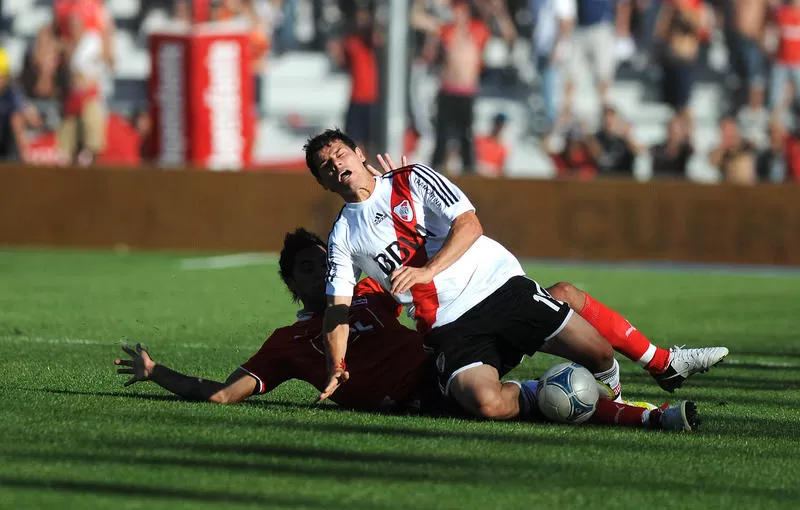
<point x="73" y="437"/>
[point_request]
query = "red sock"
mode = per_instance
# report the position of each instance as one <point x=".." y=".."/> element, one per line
<point x="614" y="413"/>
<point x="624" y="337"/>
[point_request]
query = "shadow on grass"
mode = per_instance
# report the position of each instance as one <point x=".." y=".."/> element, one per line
<point x="755" y="365"/>
<point x="756" y="428"/>
<point x="155" y="492"/>
<point x="342" y="466"/>
<point x="766" y="353"/>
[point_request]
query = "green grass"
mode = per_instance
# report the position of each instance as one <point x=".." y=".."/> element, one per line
<point x="72" y="437"/>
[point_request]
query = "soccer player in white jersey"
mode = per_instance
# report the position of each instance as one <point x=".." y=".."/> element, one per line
<point x="417" y="234"/>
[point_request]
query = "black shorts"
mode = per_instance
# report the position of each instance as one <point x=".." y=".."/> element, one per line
<point x="513" y="321"/>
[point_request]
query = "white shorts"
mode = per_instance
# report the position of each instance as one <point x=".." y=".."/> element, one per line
<point x="594" y="46"/>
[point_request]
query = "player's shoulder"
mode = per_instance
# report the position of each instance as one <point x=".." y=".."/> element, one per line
<point x="427" y="181"/>
<point x="285" y="333"/>
<point x="340" y="226"/>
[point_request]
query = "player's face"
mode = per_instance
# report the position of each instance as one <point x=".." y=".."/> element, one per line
<point x="310" y="266"/>
<point x="341" y="169"/>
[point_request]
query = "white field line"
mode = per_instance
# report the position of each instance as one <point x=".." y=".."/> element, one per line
<point x="228" y="261"/>
<point x="765" y="364"/>
<point x="85" y="341"/>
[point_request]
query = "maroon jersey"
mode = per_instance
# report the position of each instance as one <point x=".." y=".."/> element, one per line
<point x="385" y="359"/>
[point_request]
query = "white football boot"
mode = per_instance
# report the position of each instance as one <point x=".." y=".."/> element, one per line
<point x="684" y="363"/>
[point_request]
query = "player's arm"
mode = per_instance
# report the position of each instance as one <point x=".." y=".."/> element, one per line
<point x="336" y="327"/>
<point x="141" y="367"/>
<point x="464" y="231"/>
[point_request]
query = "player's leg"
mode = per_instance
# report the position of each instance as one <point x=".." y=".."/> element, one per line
<point x="531" y="320"/>
<point x="680" y="417"/>
<point x="479" y="391"/>
<point x="616" y="329"/>
<point x="469" y="364"/>
<point x="669" y="367"/>
<point x="578" y="341"/>
<point x="444" y="113"/>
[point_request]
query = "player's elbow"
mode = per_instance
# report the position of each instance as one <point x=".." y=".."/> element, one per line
<point x="470" y="224"/>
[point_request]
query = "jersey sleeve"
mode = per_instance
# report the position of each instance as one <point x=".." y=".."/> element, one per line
<point x="438" y="194"/>
<point x="270" y="365"/>
<point x="342" y="271"/>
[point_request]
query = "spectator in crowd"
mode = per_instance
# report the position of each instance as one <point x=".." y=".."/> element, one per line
<point x="577" y="154"/>
<point x="12" y="118"/>
<point x="463" y="42"/>
<point x="490" y="150"/>
<point x="594" y="40"/>
<point x="771" y="162"/>
<point x="618" y="148"/>
<point x="41" y="76"/>
<point x="786" y="64"/>
<point x="553" y="23"/>
<point x="749" y="18"/>
<point x="734" y="157"/>
<point x="358" y="52"/>
<point x="671" y="157"/>
<point x="83" y="26"/>
<point x="682" y="25"/>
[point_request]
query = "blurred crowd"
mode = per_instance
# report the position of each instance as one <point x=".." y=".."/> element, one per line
<point x="71" y="61"/>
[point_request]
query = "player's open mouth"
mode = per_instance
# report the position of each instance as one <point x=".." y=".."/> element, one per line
<point x="345" y="176"/>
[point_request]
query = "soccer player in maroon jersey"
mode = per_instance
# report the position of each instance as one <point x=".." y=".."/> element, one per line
<point x="393" y="372"/>
<point x="389" y="358"/>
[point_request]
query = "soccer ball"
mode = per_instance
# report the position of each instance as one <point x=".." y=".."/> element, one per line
<point x="567" y="393"/>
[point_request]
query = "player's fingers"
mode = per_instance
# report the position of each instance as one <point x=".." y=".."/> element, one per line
<point x="128" y="350"/>
<point x="124" y="362"/>
<point x="390" y="162"/>
<point x="129" y="381"/>
<point x="139" y="348"/>
<point x="374" y="171"/>
<point x="384" y="164"/>
<point x="125" y="371"/>
<point x="404" y="160"/>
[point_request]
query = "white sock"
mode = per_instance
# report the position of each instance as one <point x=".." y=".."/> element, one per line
<point x="527" y="398"/>
<point x="611" y="378"/>
<point x="647" y="357"/>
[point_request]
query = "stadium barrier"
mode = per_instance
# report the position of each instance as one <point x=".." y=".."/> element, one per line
<point x="234" y="211"/>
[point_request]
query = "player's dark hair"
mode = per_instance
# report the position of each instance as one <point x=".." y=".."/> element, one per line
<point x="294" y="243"/>
<point x="319" y="142"/>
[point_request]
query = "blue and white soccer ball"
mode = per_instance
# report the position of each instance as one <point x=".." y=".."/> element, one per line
<point x="567" y="393"/>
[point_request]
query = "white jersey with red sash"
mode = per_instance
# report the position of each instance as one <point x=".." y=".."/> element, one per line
<point x="404" y="223"/>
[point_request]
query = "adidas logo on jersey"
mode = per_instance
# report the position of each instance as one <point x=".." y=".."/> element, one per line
<point x="404" y="211"/>
<point x="379" y="217"/>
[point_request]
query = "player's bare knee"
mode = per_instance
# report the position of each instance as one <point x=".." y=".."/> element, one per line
<point x="569" y="294"/>
<point x="494" y="407"/>
<point x="603" y="353"/>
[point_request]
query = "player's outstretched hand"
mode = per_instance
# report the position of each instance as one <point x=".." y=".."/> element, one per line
<point x="140" y="365"/>
<point x="387" y="164"/>
<point x="406" y="277"/>
<point x="338" y="377"/>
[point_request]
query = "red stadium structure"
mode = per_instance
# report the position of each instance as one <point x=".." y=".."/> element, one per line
<point x="201" y="94"/>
